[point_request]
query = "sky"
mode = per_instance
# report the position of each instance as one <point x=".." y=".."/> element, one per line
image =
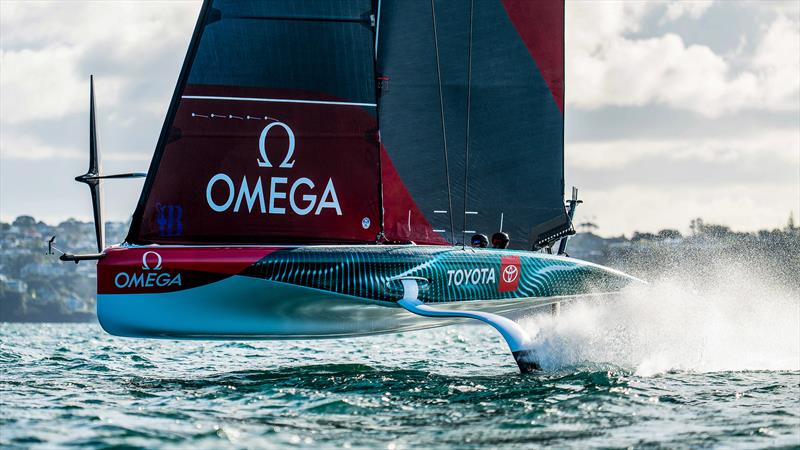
<point x="674" y="109"/>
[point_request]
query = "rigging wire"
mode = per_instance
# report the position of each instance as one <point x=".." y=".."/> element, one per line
<point x="469" y="107"/>
<point x="444" y="131"/>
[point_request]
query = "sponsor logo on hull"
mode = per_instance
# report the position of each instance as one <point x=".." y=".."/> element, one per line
<point x="150" y="276"/>
<point x="507" y="279"/>
<point x="162" y="270"/>
<point x="471" y="277"/>
<point x="510" y="271"/>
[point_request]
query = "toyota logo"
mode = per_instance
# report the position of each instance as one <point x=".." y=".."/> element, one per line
<point x="146" y="266"/>
<point x="510" y="274"/>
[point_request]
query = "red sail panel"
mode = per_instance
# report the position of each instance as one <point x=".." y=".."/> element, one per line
<point x="403" y="219"/>
<point x="540" y="24"/>
<point x="271" y="136"/>
<point x="244" y="165"/>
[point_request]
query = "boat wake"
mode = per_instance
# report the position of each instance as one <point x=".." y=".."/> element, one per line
<point x="730" y="320"/>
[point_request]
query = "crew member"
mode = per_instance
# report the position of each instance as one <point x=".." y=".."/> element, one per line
<point x="480" y="241"/>
<point x="500" y="240"/>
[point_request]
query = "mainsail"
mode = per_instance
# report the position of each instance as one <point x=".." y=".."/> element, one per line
<point x="271" y="136"/>
<point x="326" y="121"/>
<point x="515" y="173"/>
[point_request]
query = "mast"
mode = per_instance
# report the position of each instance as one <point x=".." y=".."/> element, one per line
<point x="466" y="133"/>
<point x="381" y="236"/>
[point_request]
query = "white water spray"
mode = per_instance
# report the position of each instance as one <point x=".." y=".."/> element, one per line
<point x="732" y="320"/>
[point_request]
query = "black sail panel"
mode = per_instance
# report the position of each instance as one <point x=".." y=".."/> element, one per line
<point x="516" y="152"/>
<point x="515" y="176"/>
<point x="416" y="203"/>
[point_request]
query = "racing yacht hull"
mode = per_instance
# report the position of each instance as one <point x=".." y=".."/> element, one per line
<point x="310" y="292"/>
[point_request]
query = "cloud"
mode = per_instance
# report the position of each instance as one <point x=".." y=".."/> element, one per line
<point x="49" y="49"/>
<point x="24" y="146"/>
<point x="624" y="208"/>
<point x="606" y="67"/>
<point x="694" y="9"/>
<point x="788" y="8"/>
<point x="648" y="184"/>
<point x="777" y="63"/>
<point x="40" y="84"/>
<point x="782" y="146"/>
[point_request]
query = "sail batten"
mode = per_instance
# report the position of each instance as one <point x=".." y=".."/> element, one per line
<point x="304" y="18"/>
<point x="276" y="100"/>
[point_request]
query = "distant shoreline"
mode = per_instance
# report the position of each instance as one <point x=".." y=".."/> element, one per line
<point x="81" y="318"/>
<point x="38" y="288"/>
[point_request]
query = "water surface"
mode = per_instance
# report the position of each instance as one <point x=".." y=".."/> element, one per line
<point x="75" y="386"/>
<point x="705" y="360"/>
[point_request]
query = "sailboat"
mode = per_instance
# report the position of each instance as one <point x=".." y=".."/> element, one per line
<point x="324" y="166"/>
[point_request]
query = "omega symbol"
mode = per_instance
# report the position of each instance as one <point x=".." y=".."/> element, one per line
<point x="146" y="266"/>
<point x="287" y="163"/>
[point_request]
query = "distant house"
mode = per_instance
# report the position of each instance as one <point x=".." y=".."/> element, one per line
<point x="44" y="294"/>
<point x="42" y="270"/>
<point x="13" y="285"/>
<point x="75" y="304"/>
<point x="16" y="251"/>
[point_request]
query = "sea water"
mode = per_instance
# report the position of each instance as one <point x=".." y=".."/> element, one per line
<point x="667" y="365"/>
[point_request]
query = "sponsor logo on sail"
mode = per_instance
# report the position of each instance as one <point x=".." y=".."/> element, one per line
<point x="510" y="271"/>
<point x="274" y="195"/>
<point x="150" y="276"/>
<point x="169" y="219"/>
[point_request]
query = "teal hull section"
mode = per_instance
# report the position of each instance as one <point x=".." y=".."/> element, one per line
<point x="325" y="291"/>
